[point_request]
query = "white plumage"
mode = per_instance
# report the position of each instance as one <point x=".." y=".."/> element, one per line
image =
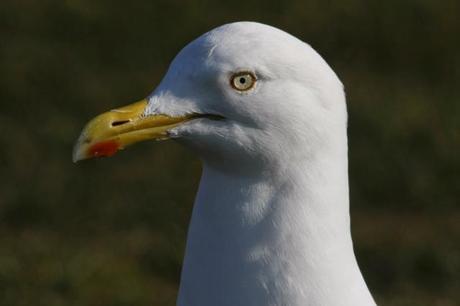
<point x="270" y="225"/>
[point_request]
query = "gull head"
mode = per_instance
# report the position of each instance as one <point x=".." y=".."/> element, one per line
<point x="244" y="95"/>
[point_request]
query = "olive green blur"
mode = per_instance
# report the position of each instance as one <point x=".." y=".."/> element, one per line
<point x="111" y="232"/>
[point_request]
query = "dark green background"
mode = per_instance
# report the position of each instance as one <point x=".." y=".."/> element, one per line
<point x="112" y="231"/>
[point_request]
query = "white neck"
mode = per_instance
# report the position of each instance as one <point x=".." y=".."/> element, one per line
<point x="281" y="238"/>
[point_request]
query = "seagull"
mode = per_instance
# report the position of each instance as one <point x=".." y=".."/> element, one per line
<point x="267" y="116"/>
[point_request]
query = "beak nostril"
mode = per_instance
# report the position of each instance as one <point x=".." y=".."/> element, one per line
<point x="121" y="122"/>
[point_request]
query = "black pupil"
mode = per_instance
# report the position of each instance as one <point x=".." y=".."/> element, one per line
<point x="242" y="80"/>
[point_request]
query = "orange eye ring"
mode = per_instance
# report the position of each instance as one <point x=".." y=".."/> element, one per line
<point x="243" y="81"/>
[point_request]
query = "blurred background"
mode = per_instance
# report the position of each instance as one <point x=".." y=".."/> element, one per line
<point x="112" y="231"/>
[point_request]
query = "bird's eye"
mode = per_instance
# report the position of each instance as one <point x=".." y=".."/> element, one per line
<point x="243" y="81"/>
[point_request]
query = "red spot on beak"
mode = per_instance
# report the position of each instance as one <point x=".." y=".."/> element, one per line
<point x="105" y="148"/>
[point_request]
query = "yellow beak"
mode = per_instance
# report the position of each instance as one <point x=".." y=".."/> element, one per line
<point x="119" y="128"/>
